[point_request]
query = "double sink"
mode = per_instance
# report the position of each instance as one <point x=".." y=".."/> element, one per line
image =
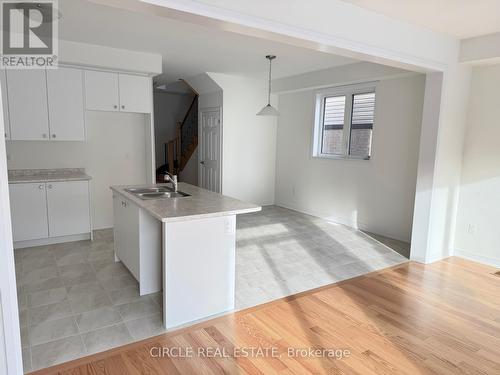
<point x="149" y="193"/>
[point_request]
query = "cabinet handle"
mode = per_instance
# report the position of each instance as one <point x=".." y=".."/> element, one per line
<point x="124" y="204"/>
<point x="115" y="106"/>
<point x="49" y="186"/>
<point x="123" y="107"/>
<point x="53" y="135"/>
<point x="44" y="135"/>
<point x="40" y="187"/>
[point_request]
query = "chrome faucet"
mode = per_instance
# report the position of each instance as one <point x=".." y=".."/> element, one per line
<point x="171" y="178"/>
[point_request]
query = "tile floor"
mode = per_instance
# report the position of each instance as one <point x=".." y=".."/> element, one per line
<point x="75" y="300"/>
<point x="282" y="252"/>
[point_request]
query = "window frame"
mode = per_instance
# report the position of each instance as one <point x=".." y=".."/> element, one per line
<point x="348" y="91"/>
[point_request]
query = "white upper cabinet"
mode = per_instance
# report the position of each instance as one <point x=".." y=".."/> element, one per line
<point x="107" y="91"/>
<point x="65" y="99"/>
<point x="5" y="104"/>
<point x="27" y="96"/>
<point x="135" y="93"/>
<point x="101" y="91"/>
<point x="68" y="208"/>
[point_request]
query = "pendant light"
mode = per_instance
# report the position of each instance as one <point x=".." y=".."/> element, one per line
<point x="269" y="110"/>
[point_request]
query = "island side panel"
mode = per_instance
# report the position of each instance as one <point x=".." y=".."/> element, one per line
<point x="199" y="269"/>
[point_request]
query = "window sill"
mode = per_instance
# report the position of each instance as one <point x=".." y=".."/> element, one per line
<point x="342" y="157"/>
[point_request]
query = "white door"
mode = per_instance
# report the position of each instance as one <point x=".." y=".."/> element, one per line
<point x="27" y="93"/>
<point x="101" y="91"/>
<point x="3" y="84"/>
<point x="210" y="149"/>
<point x="68" y="208"/>
<point x="135" y="93"/>
<point x="28" y="205"/>
<point x="65" y="98"/>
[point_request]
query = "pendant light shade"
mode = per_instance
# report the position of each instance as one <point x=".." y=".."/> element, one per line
<point x="268" y="109"/>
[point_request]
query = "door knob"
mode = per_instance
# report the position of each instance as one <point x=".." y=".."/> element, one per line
<point x="202" y="162"/>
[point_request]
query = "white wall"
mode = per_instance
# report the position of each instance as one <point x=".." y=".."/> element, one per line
<point x="74" y="53"/>
<point x="210" y="99"/>
<point x="338" y="75"/>
<point x="249" y="141"/>
<point x="113" y="154"/>
<point x="479" y="200"/>
<point x="10" y="338"/>
<point x="483" y="49"/>
<point x="376" y="195"/>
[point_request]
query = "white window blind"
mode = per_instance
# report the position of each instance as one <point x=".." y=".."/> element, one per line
<point x="333" y="124"/>
<point x="344" y="122"/>
<point x="363" y="113"/>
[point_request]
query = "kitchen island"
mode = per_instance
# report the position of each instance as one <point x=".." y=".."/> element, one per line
<point x="183" y="246"/>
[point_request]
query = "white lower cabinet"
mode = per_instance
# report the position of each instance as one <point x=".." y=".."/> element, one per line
<point x="28" y="205"/>
<point x="126" y="232"/>
<point x="137" y="240"/>
<point x="53" y="209"/>
<point x="68" y="208"/>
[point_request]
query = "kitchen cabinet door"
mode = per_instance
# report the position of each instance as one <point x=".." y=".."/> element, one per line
<point x="27" y="95"/>
<point x="126" y="234"/>
<point x="5" y="104"/>
<point x="65" y="98"/>
<point x="101" y="91"/>
<point x="68" y="208"/>
<point x="28" y="205"/>
<point x="135" y="93"/>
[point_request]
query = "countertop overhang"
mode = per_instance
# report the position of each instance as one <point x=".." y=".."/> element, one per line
<point x="200" y="204"/>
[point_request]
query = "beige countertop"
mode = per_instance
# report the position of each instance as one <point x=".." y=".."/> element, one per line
<point x="20" y="176"/>
<point x="200" y="204"/>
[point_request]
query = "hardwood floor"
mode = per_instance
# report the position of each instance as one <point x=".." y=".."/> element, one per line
<point x="442" y="318"/>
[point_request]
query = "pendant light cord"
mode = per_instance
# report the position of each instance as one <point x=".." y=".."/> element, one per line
<point x="269" y="92"/>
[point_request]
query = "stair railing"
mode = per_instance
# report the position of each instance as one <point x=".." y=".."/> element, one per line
<point x="178" y="151"/>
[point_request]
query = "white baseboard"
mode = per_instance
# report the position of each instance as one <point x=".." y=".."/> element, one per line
<point x="51" y="241"/>
<point x="347" y="222"/>
<point x="494" y="262"/>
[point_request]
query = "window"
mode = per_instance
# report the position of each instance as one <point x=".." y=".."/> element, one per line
<point x="344" y="122"/>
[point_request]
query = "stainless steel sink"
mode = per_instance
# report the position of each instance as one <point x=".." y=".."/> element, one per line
<point x="156" y="193"/>
<point x="148" y="190"/>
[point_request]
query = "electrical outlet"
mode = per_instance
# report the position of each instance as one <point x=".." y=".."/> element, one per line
<point x="471" y="229"/>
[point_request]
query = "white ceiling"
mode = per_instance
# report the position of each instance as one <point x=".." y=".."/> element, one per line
<point x="187" y="49"/>
<point x="459" y="18"/>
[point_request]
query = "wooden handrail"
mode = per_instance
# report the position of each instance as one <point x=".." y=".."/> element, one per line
<point x="174" y="147"/>
<point x="188" y="111"/>
<point x="188" y="85"/>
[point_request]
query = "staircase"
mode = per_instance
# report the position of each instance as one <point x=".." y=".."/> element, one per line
<point x="179" y="150"/>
